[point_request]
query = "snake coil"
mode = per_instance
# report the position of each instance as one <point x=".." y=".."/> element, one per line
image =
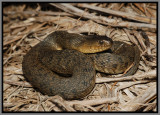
<point x="54" y="67"/>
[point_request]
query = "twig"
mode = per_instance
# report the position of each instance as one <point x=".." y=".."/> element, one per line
<point x="69" y="104"/>
<point x="151" y="106"/>
<point x="139" y="7"/>
<point x="21" y="25"/>
<point x="146" y="75"/>
<point x="84" y="108"/>
<point x="132" y="38"/>
<point x="122" y="4"/>
<point x="13" y="40"/>
<point x="140" y="39"/>
<point x="94" y="101"/>
<point x="129" y="84"/>
<point x="38" y="13"/>
<point x="18" y="83"/>
<point x="103" y="20"/>
<point x="137" y="102"/>
<point x="119" y="13"/>
<point x="59" y="100"/>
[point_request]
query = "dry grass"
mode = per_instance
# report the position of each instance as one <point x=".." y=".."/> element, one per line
<point x="25" y="25"/>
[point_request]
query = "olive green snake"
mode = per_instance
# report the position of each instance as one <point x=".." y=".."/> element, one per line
<point x="58" y="66"/>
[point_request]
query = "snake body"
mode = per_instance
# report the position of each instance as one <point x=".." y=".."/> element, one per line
<point x="58" y="65"/>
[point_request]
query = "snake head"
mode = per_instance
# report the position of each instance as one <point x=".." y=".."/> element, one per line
<point x="95" y="44"/>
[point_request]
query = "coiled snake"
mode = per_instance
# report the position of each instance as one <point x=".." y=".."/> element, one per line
<point x="54" y="67"/>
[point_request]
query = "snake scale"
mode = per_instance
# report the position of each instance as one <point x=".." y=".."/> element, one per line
<point x="58" y="66"/>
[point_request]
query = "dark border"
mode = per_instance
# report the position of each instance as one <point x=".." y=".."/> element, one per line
<point x="79" y="2"/>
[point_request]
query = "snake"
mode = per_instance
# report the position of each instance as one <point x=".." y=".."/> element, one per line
<point x="65" y="64"/>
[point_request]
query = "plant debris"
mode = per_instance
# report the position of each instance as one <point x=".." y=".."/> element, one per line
<point x="26" y="24"/>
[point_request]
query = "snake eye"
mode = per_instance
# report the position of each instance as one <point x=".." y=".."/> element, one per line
<point x="101" y="42"/>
